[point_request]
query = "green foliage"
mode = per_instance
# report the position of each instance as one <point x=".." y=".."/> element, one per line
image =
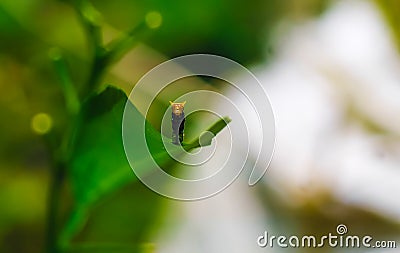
<point x="90" y="152"/>
<point x="95" y="202"/>
<point x="98" y="164"/>
<point x="225" y="27"/>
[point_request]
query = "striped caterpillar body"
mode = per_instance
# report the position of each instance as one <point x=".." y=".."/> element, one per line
<point x="178" y="122"/>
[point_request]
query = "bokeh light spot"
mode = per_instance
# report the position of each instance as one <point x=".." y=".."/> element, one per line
<point x="153" y="19"/>
<point x="41" y="123"/>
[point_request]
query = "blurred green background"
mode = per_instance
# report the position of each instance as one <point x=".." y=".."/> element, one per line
<point x="51" y="64"/>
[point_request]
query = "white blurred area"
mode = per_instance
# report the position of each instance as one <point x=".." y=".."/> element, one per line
<point x="332" y="80"/>
<point x="333" y="83"/>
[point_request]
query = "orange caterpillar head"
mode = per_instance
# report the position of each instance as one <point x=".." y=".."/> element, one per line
<point x="177" y="108"/>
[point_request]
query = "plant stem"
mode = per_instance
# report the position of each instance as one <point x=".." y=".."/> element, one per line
<point x="57" y="178"/>
<point x="101" y="59"/>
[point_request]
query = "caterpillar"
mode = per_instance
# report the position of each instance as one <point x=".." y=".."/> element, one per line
<point x="178" y="122"/>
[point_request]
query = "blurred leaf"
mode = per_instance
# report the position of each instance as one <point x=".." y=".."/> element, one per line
<point x="117" y="48"/>
<point x="238" y="32"/>
<point x="98" y="163"/>
<point x="391" y="11"/>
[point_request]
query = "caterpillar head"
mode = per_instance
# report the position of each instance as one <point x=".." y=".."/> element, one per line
<point x="177" y="108"/>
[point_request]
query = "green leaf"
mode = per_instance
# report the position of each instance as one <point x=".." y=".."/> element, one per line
<point x="98" y="164"/>
<point x="206" y="137"/>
